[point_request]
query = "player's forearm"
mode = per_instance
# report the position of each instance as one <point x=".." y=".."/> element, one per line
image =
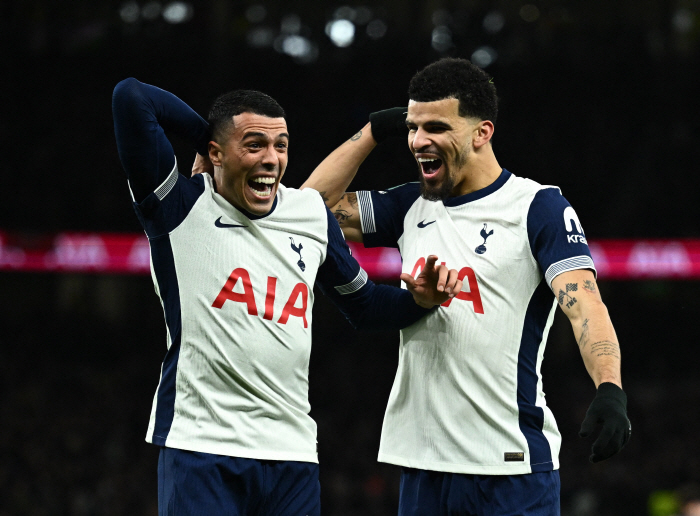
<point x="377" y="307"/>
<point x="389" y="308"/>
<point x="141" y="106"/>
<point x="597" y="342"/>
<point x="335" y="173"/>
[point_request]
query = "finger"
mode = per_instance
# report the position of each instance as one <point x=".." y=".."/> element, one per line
<point x="442" y="277"/>
<point x="608" y="444"/>
<point x="430" y="262"/>
<point x="604" y="439"/>
<point x="588" y="426"/>
<point x="452" y="279"/>
<point x="408" y="280"/>
<point x="457" y="288"/>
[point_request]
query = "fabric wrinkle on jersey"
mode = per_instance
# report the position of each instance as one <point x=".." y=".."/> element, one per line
<point x="467" y="396"/>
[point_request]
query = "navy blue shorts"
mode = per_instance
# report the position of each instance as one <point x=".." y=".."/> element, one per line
<point x="202" y="484"/>
<point x="432" y="493"/>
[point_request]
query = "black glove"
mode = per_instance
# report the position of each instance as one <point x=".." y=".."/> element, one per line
<point x="609" y="407"/>
<point x="387" y="123"/>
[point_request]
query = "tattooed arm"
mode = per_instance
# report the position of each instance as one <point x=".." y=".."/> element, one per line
<point x="578" y="296"/>
<point x="333" y="176"/>
<point x="348" y="217"/>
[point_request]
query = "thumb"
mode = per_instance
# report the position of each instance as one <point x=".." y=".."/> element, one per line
<point x="588" y="426"/>
<point x="408" y="280"/>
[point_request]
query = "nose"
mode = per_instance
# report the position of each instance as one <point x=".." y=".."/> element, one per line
<point x="270" y="159"/>
<point x="420" y="140"/>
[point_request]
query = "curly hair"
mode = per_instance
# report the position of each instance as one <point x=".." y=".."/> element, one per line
<point x="460" y="79"/>
<point x="234" y="103"/>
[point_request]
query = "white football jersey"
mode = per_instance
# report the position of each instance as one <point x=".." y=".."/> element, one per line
<point x="467" y="397"/>
<point x="237" y="292"/>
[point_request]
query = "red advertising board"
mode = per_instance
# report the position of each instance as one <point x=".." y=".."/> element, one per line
<point x="108" y="253"/>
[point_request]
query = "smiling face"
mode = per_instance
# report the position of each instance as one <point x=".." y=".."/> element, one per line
<point x="441" y="141"/>
<point x="250" y="163"/>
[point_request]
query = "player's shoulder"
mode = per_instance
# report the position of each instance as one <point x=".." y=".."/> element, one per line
<point x="302" y="206"/>
<point x="406" y="192"/>
<point x="531" y="194"/>
<point x="400" y="197"/>
<point x="546" y="205"/>
<point x="530" y="187"/>
<point x="307" y="198"/>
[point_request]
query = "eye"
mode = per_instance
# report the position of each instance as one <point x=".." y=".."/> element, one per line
<point x="254" y="145"/>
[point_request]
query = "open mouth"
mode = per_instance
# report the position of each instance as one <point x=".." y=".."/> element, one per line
<point x="430" y="167"/>
<point x="262" y="186"/>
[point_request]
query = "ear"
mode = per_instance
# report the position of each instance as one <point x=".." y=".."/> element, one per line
<point x="483" y="133"/>
<point x="215" y="153"/>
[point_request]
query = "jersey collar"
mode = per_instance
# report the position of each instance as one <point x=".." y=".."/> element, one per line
<point x="252" y="216"/>
<point x="479" y="194"/>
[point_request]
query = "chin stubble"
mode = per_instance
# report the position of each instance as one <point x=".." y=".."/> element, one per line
<point x="445" y="189"/>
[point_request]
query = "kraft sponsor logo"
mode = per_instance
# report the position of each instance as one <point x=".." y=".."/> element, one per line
<point x="576" y="239"/>
<point x="572" y="224"/>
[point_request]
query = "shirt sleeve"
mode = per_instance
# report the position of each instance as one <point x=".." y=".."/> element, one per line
<point x="382" y="213"/>
<point x="557" y="240"/>
<point x="142" y="114"/>
<point x="365" y="304"/>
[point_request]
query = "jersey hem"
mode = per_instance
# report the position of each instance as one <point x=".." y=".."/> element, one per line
<point x="235" y="451"/>
<point x="467" y="469"/>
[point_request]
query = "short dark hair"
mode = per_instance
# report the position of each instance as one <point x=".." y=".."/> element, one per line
<point x="460" y="79"/>
<point x="234" y="103"/>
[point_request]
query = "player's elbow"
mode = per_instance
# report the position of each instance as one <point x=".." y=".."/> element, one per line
<point x="125" y="92"/>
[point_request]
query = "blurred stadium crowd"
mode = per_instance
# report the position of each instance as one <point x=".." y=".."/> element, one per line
<point x="599" y="98"/>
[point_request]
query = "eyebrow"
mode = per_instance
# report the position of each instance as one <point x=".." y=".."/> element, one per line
<point x="257" y="134"/>
<point x="432" y="123"/>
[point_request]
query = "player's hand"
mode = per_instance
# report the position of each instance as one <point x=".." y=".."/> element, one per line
<point x="202" y="165"/>
<point x="609" y="408"/>
<point x="387" y="123"/>
<point x="434" y="285"/>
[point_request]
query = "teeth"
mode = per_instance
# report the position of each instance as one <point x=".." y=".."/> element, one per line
<point x="426" y="160"/>
<point x="264" y="180"/>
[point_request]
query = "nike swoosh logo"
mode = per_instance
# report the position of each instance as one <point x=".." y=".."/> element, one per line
<point x="423" y="224"/>
<point x="220" y="224"/>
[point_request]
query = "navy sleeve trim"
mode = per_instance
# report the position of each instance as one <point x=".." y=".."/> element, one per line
<point x="364" y="199"/>
<point x="355" y="285"/>
<point x="569" y="264"/>
<point x="166" y="187"/>
<point x="382" y="213"/>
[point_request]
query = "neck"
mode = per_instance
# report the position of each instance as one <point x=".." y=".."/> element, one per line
<point x="479" y="172"/>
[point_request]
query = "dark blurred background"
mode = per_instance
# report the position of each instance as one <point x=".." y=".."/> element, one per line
<point x="600" y="98"/>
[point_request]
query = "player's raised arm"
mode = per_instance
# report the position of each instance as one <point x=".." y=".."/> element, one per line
<point x="334" y="174"/>
<point x="578" y="296"/>
<point x="142" y="113"/>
